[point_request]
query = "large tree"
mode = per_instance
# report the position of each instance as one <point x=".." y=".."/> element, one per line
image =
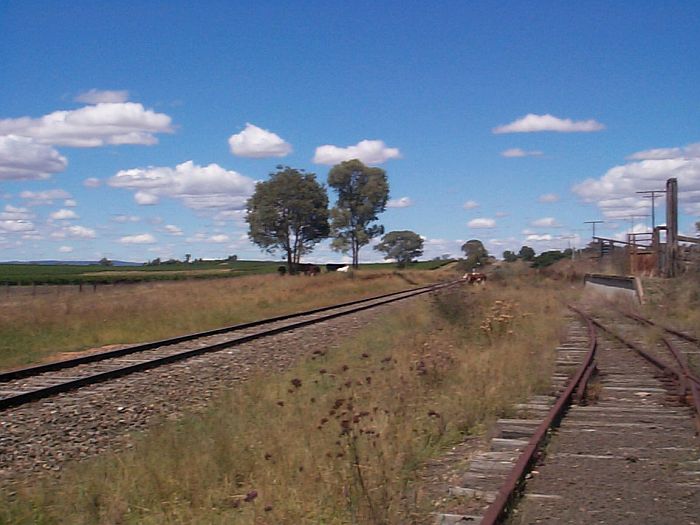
<point x="288" y="212"/>
<point x="526" y="253"/>
<point x="362" y="195"/>
<point x="404" y="246"/>
<point x="475" y="253"/>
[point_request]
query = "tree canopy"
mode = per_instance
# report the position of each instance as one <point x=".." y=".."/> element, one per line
<point x="509" y="256"/>
<point x="476" y="254"/>
<point x="288" y="212"/>
<point x="526" y="253"/>
<point x="404" y="246"/>
<point x="362" y="195"/>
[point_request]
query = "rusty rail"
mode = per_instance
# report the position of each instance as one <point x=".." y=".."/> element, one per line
<point x="687" y="381"/>
<point x="510" y="487"/>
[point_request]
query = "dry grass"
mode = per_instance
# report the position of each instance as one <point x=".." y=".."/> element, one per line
<point x="336" y="440"/>
<point x="35" y="328"/>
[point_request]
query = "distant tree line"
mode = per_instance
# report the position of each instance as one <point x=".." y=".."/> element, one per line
<point x="542" y="260"/>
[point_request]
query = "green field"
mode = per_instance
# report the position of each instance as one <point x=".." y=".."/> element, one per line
<point x="28" y="274"/>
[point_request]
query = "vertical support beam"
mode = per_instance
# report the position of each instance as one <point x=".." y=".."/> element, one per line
<point x="671" y="263"/>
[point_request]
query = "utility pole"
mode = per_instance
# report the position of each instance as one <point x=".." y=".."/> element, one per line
<point x="652" y="195"/>
<point x="593" y="223"/>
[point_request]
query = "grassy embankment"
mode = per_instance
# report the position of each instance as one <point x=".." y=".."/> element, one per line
<point x="335" y="440"/>
<point x="35" y="328"/>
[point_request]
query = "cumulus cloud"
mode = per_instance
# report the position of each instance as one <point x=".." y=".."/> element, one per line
<point x="121" y="218"/>
<point x="367" y="151"/>
<point x="16" y="225"/>
<point x="92" y="182"/>
<point x="470" y="205"/>
<point x="539" y="238"/>
<point x="142" y="238"/>
<point x="97" y="96"/>
<point x="532" y="123"/>
<point x="80" y="232"/>
<point x="203" y="237"/>
<point x="65" y="249"/>
<point x="40" y="198"/>
<point x="615" y="192"/>
<point x="258" y="143"/>
<point x="145" y="198"/>
<point x="198" y="187"/>
<point x="92" y="126"/>
<point x="403" y="202"/>
<point x="21" y="158"/>
<point x="12" y="213"/>
<point x="481" y="223"/>
<point x="70" y="203"/>
<point x="545" y="222"/>
<point x="548" y="197"/>
<point x="517" y="152"/>
<point x="63" y="214"/>
<point x="172" y="229"/>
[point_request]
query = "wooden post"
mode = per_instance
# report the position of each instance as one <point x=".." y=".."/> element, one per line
<point x="671" y="263"/>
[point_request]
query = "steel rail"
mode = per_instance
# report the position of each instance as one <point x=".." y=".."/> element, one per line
<point x="11" y="375"/>
<point x="355" y="306"/>
<point x="509" y="490"/>
<point x="683" y="376"/>
<point x="678" y="333"/>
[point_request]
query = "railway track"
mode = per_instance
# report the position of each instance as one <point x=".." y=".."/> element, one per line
<point x="21" y="386"/>
<point x="615" y="443"/>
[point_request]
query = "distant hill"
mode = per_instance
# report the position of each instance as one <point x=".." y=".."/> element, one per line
<point x="72" y="263"/>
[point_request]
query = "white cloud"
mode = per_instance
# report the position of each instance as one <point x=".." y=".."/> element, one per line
<point x="70" y="203"/>
<point x="219" y="238"/>
<point x="539" y="238"/>
<point x="258" y="143"/>
<point x="532" y="123"/>
<point x="13" y="213"/>
<point x="481" y="223"/>
<point x="615" y="192"/>
<point x="21" y="158"/>
<point x="92" y="182"/>
<point x="65" y="249"/>
<point x="548" y="197"/>
<point x="97" y="96"/>
<point x="545" y="222"/>
<point x="216" y="238"/>
<point x="80" y="232"/>
<point x="143" y="238"/>
<point x="470" y="205"/>
<point x="40" y="198"/>
<point x="63" y="214"/>
<point x="501" y="214"/>
<point x="688" y="152"/>
<point x="367" y="151"/>
<point x="403" y="202"/>
<point x="517" y="152"/>
<point x="172" y="229"/>
<point x="145" y="199"/>
<point x="92" y="126"/>
<point x="199" y="187"/>
<point x="16" y="225"/>
<point x="125" y="218"/>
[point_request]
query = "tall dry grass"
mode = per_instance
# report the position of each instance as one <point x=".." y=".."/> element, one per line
<point x="33" y="328"/>
<point x="336" y="440"/>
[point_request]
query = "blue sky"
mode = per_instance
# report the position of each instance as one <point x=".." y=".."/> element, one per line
<point x="136" y="130"/>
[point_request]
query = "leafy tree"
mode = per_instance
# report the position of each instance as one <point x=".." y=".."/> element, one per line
<point x="404" y="246"/>
<point x="526" y="253"/>
<point x="547" y="258"/>
<point x="476" y="255"/>
<point x="288" y="212"/>
<point x="105" y="262"/>
<point x="509" y="256"/>
<point x="362" y="195"/>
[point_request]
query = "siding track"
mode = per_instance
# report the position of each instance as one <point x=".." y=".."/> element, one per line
<point x="621" y="445"/>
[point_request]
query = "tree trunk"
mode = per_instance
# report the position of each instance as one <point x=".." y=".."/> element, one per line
<point x="290" y="263"/>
